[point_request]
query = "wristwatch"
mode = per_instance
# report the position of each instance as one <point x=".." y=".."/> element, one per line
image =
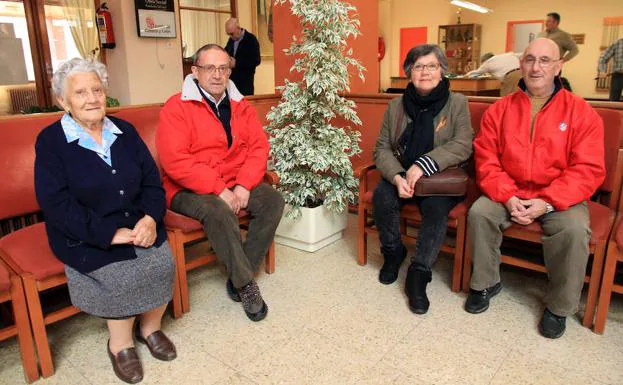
<point x="548" y="208"/>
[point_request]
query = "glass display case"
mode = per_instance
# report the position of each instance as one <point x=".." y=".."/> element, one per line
<point x="461" y="44"/>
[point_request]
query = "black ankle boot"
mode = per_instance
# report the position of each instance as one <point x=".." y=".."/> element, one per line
<point x="415" y="287"/>
<point x="391" y="266"/>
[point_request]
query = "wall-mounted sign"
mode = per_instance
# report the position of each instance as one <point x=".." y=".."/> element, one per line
<point x="155" y="18"/>
<point x="578" y="38"/>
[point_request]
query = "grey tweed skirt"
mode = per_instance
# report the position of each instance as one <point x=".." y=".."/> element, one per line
<point x="125" y="288"/>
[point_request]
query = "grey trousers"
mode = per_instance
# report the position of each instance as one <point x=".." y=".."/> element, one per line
<point x="565" y="250"/>
<point x="222" y="228"/>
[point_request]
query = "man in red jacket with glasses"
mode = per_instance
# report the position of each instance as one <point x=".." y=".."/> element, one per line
<point x="539" y="157"/>
<point x="213" y="152"/>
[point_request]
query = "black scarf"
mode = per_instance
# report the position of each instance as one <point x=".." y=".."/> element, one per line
<point x="419" y="136"/>
<point x="223" y="112"/>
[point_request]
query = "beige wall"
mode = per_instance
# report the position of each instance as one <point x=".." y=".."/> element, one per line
<point x="5" y="101"/>
<point x="142" y="70"/>
<point x="265" y="73"/>
<point x="147" y="70"/>
<point x="578" y="16"/>
<point x="397" y="14"/>
<point x="385" y="31"/>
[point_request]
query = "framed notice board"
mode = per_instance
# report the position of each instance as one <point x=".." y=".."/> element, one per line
<point x="155" y="18"/>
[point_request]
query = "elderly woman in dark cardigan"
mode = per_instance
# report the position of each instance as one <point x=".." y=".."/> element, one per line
<point x="424" y="131"/>
<point x="103" y="204"/>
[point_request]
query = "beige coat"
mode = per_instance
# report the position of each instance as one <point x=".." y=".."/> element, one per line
<point x="453" y="136"/>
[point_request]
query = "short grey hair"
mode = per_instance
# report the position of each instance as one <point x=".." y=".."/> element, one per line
<point x="77" y="65"/>
<point x="423" y="50"/>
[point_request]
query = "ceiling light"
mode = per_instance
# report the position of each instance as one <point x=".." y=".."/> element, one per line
<point x="471" y="6"/>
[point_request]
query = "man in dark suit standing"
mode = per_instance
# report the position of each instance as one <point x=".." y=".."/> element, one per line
<point x="244" y="51"/>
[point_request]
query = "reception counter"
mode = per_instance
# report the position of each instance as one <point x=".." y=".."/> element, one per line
<point x="466" y="86"/>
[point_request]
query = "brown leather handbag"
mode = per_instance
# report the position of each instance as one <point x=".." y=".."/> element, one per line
<point x="449" y="182"/>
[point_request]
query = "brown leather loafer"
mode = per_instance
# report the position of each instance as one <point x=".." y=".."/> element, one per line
<point x="127" y="365"/>
<point x="159" y="345"/>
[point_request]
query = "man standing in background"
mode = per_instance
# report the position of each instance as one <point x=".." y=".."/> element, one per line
<point x="614" y="52"/>
<point x="244" y="51"/>
<point x="566" y="44"/>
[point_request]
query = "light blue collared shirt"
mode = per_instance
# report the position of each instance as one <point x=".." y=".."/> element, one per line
<point x="74" y="132"/>
<point x="237" y="42"/>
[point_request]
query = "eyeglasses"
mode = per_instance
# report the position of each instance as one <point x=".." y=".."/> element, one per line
<point x="210" y="69"/>
<point x="544" y="61"/>
<point x="430" y="67"/>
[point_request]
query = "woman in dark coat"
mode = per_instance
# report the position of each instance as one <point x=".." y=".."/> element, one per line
<point x="424" y="131"/>
<point x="103" y="203"/>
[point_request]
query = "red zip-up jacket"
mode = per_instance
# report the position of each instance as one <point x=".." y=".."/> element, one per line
<point x="192" y="144"/>
<point x="562" y="163"/>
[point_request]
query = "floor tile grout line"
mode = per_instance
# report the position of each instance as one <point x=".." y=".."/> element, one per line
<point x="304" y="327"/>
<point x="258" y="356"/>
<point x="508" y="354"/>
<point x="59" y="354"/>
<point x="563" y="368"/>
<point x="395" y="347"/>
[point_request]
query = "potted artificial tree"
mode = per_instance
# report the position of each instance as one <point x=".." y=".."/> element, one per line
<point x="309" y="149"/>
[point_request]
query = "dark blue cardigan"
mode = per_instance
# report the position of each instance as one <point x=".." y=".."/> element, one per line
<point x="84" y="201"/>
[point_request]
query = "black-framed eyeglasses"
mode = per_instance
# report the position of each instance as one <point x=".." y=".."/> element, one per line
<point x="543" y="61"/>
<point x="431" y="67"/>
<point x="211" y="69"/>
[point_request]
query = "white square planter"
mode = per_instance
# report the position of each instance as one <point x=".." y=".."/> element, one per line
<point x="315" y="229"/>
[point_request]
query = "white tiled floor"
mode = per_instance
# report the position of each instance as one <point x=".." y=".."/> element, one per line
<point x="331" y="322"/>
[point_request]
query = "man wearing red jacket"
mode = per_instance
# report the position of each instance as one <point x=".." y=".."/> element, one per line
<point x="213" y="152"/>
<point x="539" y="156"/>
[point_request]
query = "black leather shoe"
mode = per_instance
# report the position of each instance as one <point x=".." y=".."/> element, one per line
<point x="126" y="364"/>
<point x="260" y="315"/>
<point x="415" y="288"/>
<point x="232" y="292"/>
<point x="552" y="325"/>
<point x="391" y="267"/>
<point x="478" y="300"/>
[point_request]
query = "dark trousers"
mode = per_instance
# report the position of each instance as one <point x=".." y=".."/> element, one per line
<point x="616" y="87"/>
<point x="434" y="210"/>
<point x="222" y="228"/>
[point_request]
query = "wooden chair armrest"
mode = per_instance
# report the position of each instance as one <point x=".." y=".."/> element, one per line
<point x="617" y="232"/>
<point x="361" y="171"/>
<point x="271" y="178"/>
<point x="11" y="266"/>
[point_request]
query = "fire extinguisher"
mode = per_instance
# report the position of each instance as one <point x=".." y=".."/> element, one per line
<point x="381" y="52"/>
<point x="104" y="26"/>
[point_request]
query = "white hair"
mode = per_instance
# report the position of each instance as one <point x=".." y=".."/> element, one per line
<point x="77" y="65"/>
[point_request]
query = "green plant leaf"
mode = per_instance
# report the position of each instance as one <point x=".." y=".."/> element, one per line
<point x="311" y="151"/>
